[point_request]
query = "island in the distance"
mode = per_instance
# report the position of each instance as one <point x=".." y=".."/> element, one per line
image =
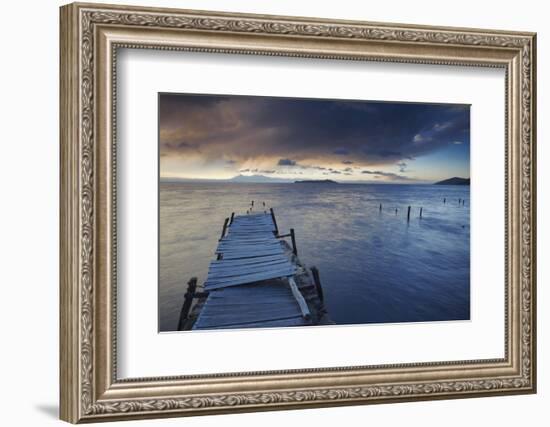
<point x="454" y="181"/>
<point x="316" y="181"/>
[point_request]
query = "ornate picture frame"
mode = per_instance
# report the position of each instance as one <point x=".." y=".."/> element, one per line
<point x="90" y="37"/>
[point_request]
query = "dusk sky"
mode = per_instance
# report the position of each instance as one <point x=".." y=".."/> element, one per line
<point x="221" y="136"/>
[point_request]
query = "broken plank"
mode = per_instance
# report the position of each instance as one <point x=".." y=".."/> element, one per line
<point x="248" y="278"/>
<point x="299" y="298"/>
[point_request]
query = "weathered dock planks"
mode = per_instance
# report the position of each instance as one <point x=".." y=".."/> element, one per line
<point x="251" y="284"/>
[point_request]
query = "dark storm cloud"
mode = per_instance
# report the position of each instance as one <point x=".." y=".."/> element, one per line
<point x="402" y="166"/>
<point x="316" y="131"/>
<point x="286" y="162"/>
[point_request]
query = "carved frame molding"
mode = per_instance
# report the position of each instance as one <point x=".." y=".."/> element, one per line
<point x="90" y="37"/>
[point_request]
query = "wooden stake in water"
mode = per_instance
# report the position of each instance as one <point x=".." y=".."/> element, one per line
<point x="380" y="209"/>
<point x="420" y="212"/>
<point x="408" y="214"/>
<point x="232" y="216"/>
<point x="444" y="200"/>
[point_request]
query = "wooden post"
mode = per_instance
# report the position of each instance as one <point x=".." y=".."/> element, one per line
<point x="396" y="211"/>
<point x="420" y="212"/>
<point x="232" y="216"/>
<point x="252" y="204"/>
<point x="317" y="280"/>
<point x="188" y="300"/>
<point x="274" y="221"/>
<point x="444" y="200"/>
<point x="380" y="208"/>
<point x="408" y="214"/>
<point x="224" y="227"/>
<point x="293" y="237"/>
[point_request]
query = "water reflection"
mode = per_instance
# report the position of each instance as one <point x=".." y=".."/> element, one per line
<point x="374" y="265"/>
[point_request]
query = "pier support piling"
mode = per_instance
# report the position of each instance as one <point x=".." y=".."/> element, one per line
<point x="317" y="281"/>
<point x="408" y="214"/>
<point x="420" y="212"/>
<point x="224" y="229"/>
<point x="293" y="237"/>
<point x="188" y="300"/>
<point x="274" y="221"/>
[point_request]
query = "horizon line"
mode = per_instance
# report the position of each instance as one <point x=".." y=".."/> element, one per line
<point x="292" y="181"/>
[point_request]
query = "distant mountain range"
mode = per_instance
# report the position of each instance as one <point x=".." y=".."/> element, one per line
<point x="257" y="179"/>
<point x="316" y="181"/>
<point x="454" y="181"/>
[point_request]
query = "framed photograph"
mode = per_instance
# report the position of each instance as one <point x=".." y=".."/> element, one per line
<point x="265" y="212"/>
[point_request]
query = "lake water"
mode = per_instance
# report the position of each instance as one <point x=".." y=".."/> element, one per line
<point x="374" y="266"/>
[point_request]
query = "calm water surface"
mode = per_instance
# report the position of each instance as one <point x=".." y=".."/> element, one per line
<point x="374" y="267"/>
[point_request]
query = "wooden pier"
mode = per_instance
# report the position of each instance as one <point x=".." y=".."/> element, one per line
<point x="255" y="281"/>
